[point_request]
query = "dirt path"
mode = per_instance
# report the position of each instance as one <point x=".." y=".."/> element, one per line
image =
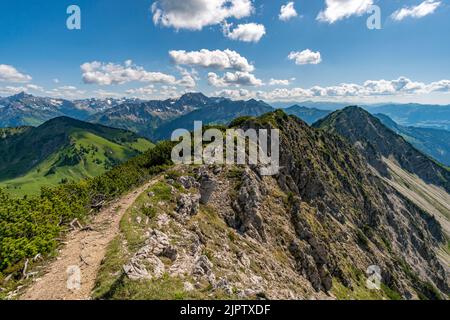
<point x="84" y="250"/>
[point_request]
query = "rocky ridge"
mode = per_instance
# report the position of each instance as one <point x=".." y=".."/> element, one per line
<point x="310" y="232"/>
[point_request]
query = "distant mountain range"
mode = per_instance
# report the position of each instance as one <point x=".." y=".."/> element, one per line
<point x="27" y="110"/>
<point x="157" y="119"/>
<point x="309" y="115"/>
<point x="416" y="115"/>
<point x="60" y="150"/>
<point x="145" y="117"/>
<point x="321" y="105"/>
<point x="218" y="111"/>
<point x="434" y="142"/>
<point x="24" y="109"/>
<point x="377" y="143"/>
<point x="411" y="114"/>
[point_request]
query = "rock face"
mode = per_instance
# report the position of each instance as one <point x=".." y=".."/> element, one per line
<point x="203" y="267"/>
<point x="310" y="253"/>
<point x="247" y="218"/>
<point x="207" y="185"/>
<point x="351" y="202"/>
<point x="187" y="205"/>
<point x="311" y="232"/>
<point x="188" y="182"/>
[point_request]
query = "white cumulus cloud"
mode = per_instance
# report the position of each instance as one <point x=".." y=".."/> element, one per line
<point x="197" y="14"/>
<point x="340" y="9"/>
<point x="188" y="78"/>
<point x="112" y="74"/>
<point x="280" y="82"/>
<point x="66" y="92"/>
<point x="234" y="79"/>
<point x="35" y="87"/>
<point x="216" y="59"/>
<point x="389" y="87"/>
<point x="370" y="88"/>
<point x="439" y="86"/>
<point x="305" y="57"/>
<point x="143" y="91"/>
<point x="10" y="74"/>
<point x="103" y="94"/>
<point x="249" y="32"/>
<point x="241" y="94"/>
<point x="287" y="11"/>
<point x="11" y="90"/>
<point x="425" y="8"/>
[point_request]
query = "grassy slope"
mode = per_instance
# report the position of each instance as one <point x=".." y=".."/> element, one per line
<point x="101" y="155"/>
<point x="428" y="197"/>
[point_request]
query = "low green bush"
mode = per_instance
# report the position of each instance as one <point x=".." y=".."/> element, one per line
<point x="32" y="225"/>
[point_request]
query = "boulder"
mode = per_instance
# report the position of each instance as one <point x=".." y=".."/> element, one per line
<point x="208" y="185"/>
<point x="170" y="252"/>
<point x="156" y="243"/>
<point x="188" y="182"/>
<point x="145" y="264"/>
<point x="246" y="207"/>
<point x="188" y="287"/>
<point x="188" y="205"/>
<point x="224" y="285"/>
<point x="135" y="270"/>
<point x="202" y="267"/>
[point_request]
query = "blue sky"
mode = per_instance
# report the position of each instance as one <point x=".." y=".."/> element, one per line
<point x="123" y="49"/>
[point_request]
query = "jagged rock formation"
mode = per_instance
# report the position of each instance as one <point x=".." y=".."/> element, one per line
<point x="188" y="205"/>
<point x="310" y="232"/>
<point x="247" y="218"/>
<point x="419" y="178"/>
